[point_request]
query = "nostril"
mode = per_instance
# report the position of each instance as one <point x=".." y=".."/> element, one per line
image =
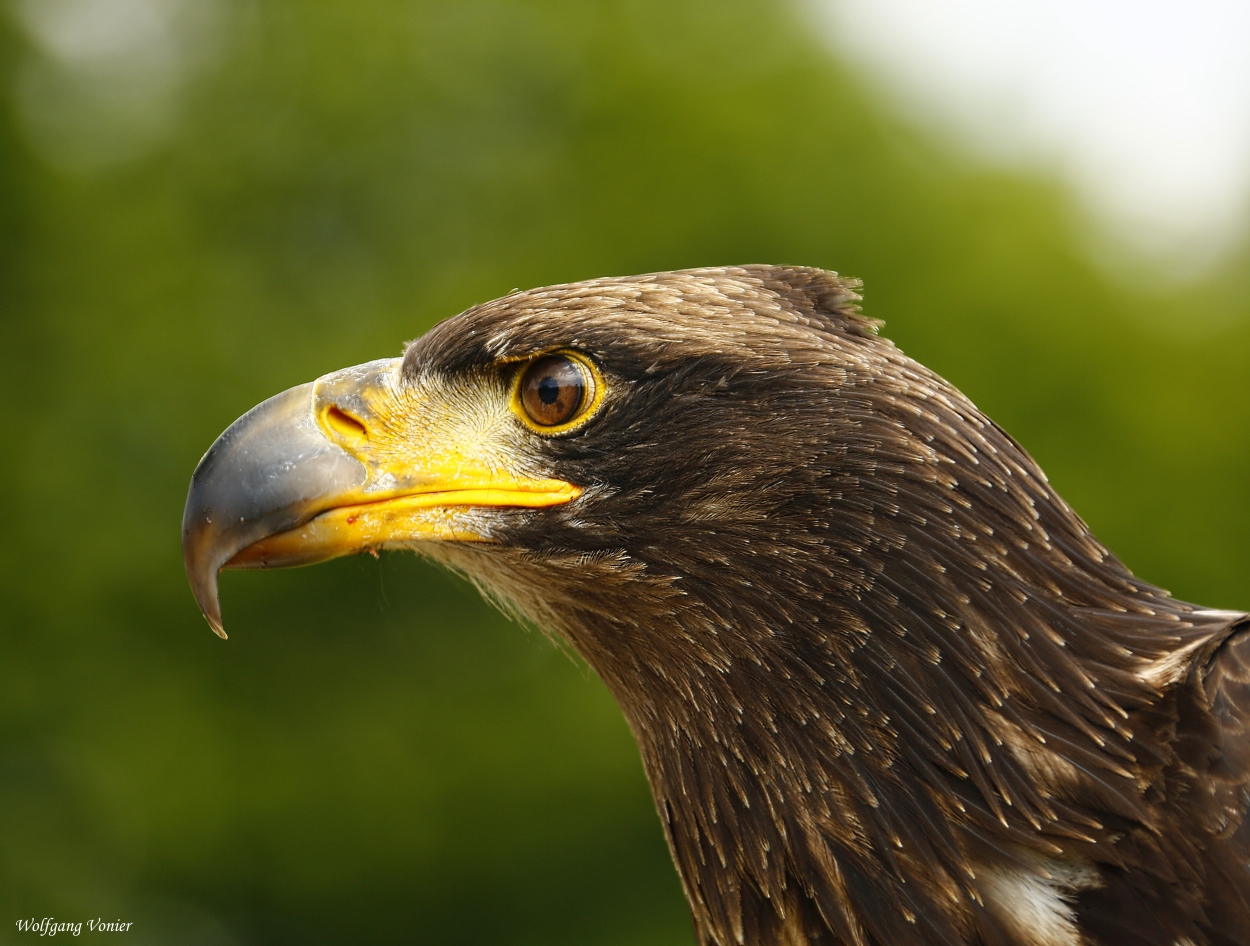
<point x="343" y="424"/>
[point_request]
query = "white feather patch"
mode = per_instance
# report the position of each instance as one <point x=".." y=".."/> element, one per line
<point x="1035" y="905"/>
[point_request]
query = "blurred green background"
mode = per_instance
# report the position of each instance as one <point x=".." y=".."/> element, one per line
<point x="286" y="187"/>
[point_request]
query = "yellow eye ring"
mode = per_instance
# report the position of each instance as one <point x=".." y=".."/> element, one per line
<point x="557" y="391"/>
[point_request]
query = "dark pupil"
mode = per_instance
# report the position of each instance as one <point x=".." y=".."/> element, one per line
<point x="548" y="390"/>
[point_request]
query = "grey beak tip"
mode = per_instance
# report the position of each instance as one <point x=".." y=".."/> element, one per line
<point x="204" y="587"/>
<point x="210" y="607"/>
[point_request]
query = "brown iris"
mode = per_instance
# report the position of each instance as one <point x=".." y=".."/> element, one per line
<point x="554" y="390"/>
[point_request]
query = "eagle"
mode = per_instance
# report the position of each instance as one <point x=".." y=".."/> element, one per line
<point x="888" y="688"/>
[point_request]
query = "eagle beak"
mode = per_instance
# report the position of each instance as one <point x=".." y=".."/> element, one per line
<point x="317" y="471"/>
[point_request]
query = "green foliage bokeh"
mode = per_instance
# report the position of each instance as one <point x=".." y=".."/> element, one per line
<point x="376" y="756"/>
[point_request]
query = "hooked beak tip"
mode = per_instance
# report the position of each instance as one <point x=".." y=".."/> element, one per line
<point x="204" y="587"/>
<point x="213" y="617"/>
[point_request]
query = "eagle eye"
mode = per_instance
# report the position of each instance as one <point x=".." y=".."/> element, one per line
<point x="556" y="390"/>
